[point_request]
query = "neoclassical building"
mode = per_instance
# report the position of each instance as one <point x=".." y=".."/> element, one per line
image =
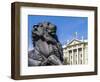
<point x="76" y="52"/>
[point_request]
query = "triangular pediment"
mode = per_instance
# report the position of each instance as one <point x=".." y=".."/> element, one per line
<point x="73" y="42"/>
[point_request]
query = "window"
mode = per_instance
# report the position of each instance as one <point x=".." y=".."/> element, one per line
<point x="76" y="61"/>
<point x="81" y="55"/>
<point x="71" y="57"/>
<point x="81" y="62"/>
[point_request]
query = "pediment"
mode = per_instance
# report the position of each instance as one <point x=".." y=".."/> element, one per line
<point x="73" y="42"/>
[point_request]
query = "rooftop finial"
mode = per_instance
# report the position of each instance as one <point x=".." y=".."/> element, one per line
<point x="82" y="38"/>
<point x="75" y="35"/>
<point x="67" y="41"/>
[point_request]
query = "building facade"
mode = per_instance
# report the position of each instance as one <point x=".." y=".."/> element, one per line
<point x="76" y="52"/>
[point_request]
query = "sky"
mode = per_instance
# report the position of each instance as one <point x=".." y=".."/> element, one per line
<point x="67" y="26"/>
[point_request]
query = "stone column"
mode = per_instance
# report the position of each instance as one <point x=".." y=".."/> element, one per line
<point x="70" y="53"/>
<point x="82" y="55"/>
<point x="77" y="55"/>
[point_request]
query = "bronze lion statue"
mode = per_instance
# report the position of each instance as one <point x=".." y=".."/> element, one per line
<point x="47" y="48"/>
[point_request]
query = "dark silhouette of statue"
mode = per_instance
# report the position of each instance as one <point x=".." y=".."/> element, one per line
<point x="47" y="48"/>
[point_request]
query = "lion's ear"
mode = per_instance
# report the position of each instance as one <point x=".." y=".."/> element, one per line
<point x="35" y="26"/>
